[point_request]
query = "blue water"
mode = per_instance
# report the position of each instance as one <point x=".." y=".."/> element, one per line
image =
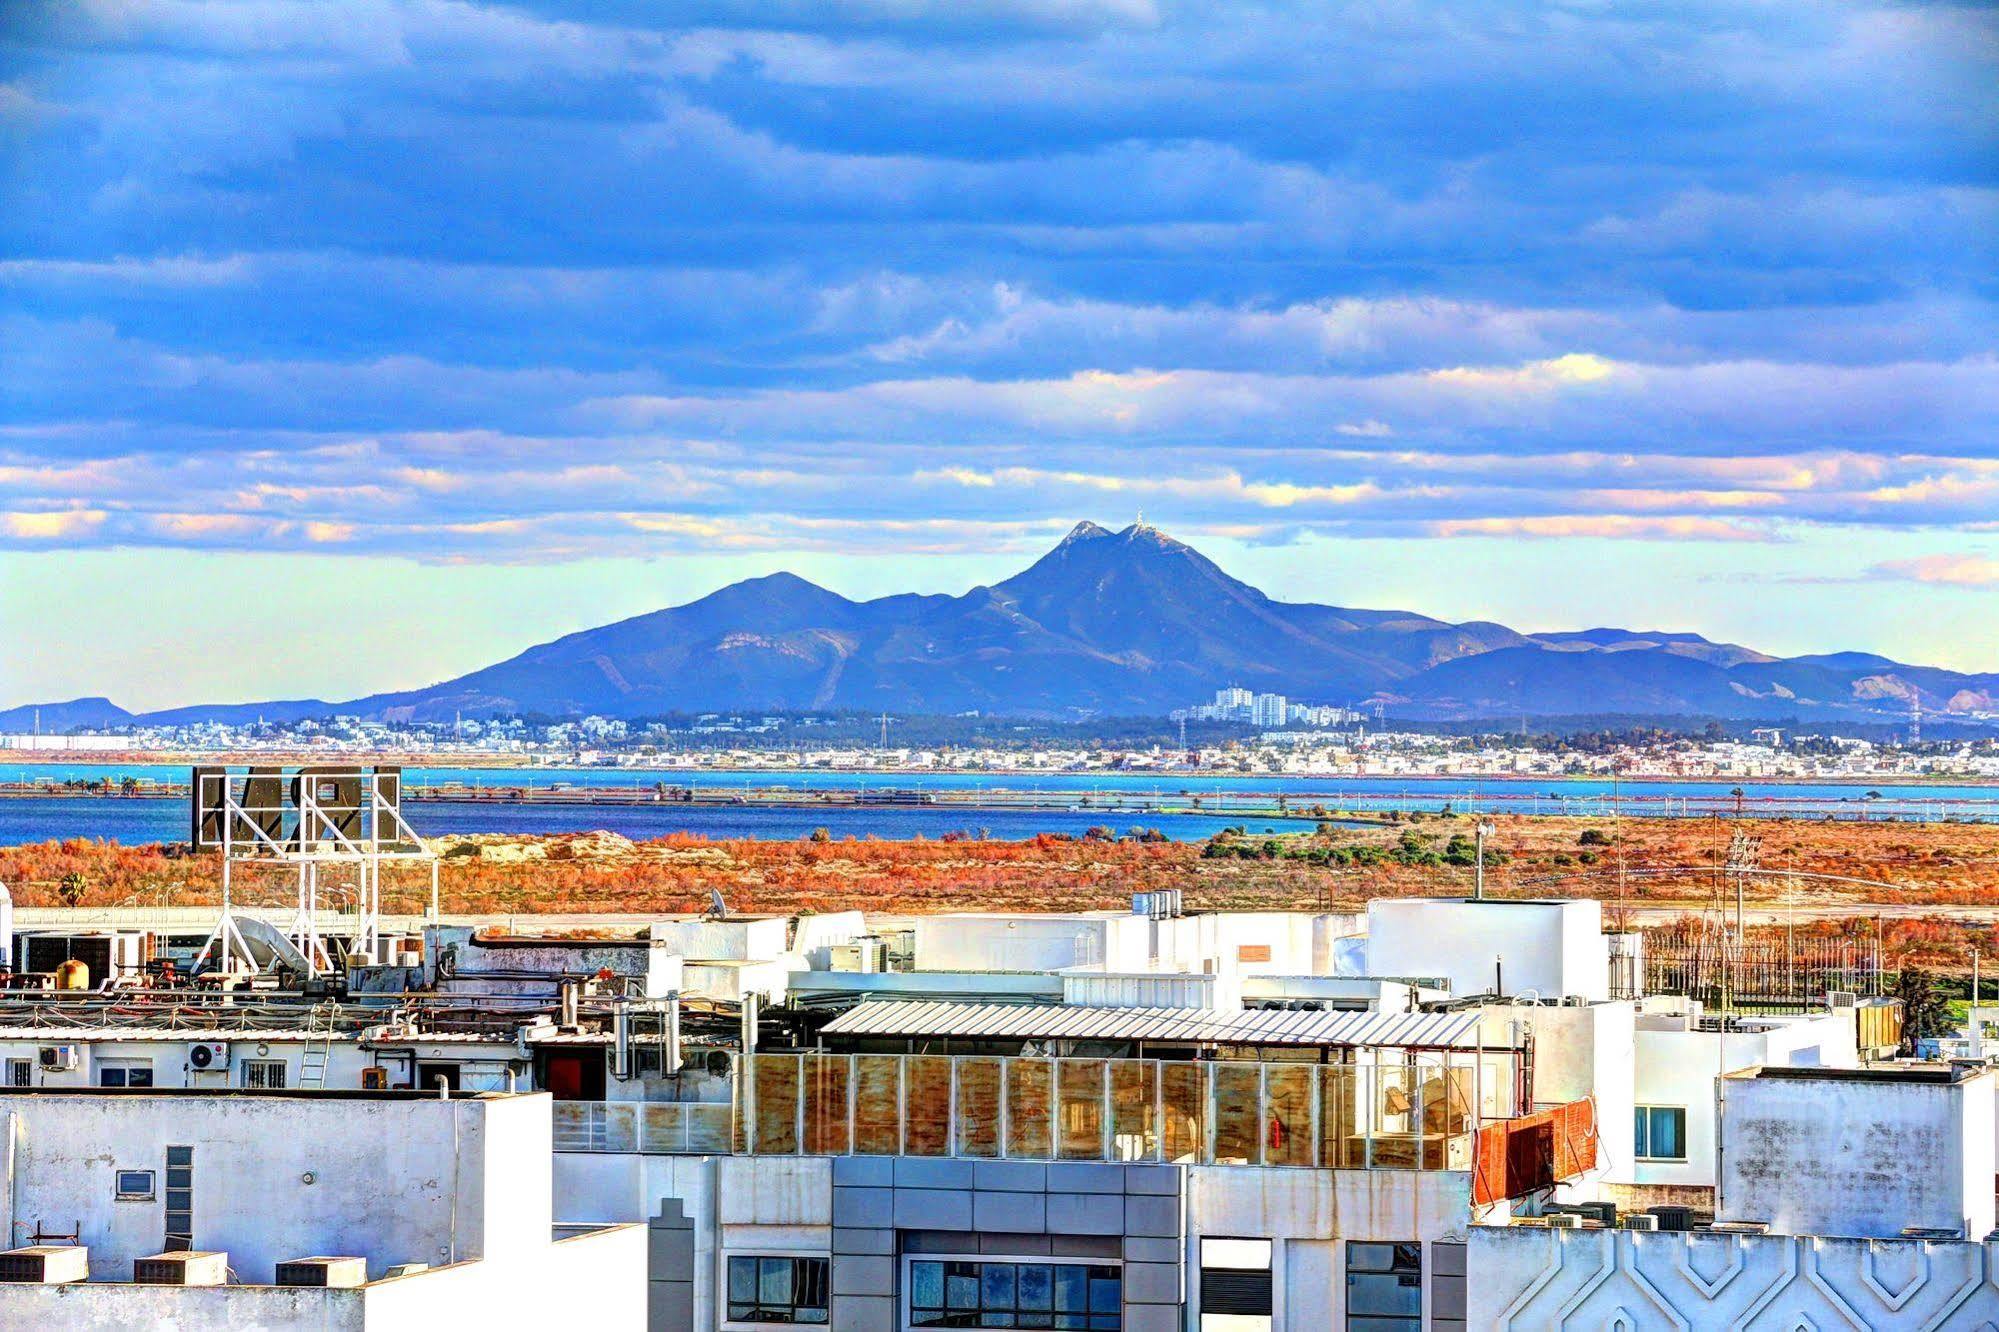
<point x="46" y="818"/>
<point x="35" y="818"/>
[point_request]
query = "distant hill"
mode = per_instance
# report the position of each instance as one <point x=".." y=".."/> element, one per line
<point x="55" y="718"/>
<point x="1125" y="623"/>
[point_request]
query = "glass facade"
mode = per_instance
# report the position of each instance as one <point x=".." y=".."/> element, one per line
<point x="1384" y="1287"/>
<point x="778" y="1290"/>
<point x="978" y="1293"/>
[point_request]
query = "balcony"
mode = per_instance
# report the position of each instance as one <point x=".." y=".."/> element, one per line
<point x="1405" y="1111"/>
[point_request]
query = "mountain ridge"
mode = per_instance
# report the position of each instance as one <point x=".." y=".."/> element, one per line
<point x="1130" y="622"/>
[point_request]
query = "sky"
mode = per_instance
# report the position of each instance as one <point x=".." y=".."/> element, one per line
<point x="349" y="347"/>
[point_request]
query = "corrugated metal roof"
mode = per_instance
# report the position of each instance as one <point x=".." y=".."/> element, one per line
<point x="1254" y="1026"/>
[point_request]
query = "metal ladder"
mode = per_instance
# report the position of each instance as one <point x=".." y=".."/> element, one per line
<point x="318" y="1048"/>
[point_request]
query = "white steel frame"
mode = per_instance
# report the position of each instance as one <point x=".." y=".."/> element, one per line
<point x="383" y="835"/>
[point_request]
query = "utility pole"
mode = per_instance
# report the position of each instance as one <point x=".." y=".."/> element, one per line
<point x="1482" y="831"/>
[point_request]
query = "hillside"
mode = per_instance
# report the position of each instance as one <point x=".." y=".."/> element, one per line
<point x="1121" y="623"/>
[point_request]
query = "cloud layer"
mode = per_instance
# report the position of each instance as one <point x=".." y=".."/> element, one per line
<point x="505" y="284"/>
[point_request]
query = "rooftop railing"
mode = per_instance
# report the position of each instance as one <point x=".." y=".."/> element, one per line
<point x="1417" y="1111"/>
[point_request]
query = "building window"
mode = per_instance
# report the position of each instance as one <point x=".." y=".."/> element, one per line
<point x="180" y="1200"/>
<point x="973" y="1293"/>
<point x="125" y="1073"/>
<point x="1660" y="1133"/>
<point x="1235" y="1277"/>
<point x="134" y="1186"/>
<point x="20" y="1072"/>
<point x="1384" y="1287"/>
<point x="778" y="1290"/>
<point x="264" y="1074"/>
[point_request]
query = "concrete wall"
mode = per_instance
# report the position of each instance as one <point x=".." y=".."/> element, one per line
<point x="972" y="942"/>
<point x="1853" y="1156"/>
<point x="394" y="1180"/>
<point x="1553" y="949"/>
<point x="1535" y="1280"/>
<point x="742" y="939"/>
<point x="538" y="1289"/>
<point x="1677" y="1066"/>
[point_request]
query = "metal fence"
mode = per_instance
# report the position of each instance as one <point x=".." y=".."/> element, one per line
<point x="1769" y="975"/>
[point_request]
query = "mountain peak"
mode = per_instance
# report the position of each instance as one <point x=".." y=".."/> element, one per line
<point x="1083" y="531"/>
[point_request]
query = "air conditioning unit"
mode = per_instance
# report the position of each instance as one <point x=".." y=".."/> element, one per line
<point x="208" y="1056"/>
<point x="59" y="1058"/>
<point x="1641" y="1221"/>
<point x="182" y="1269"/>
<point x="323" y="1272"/>
<point x="1567" y="1221"/>
<point x="46" y="1265"/>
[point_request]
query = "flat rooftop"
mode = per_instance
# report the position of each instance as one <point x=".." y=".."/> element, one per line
<point x="1941" y="1075"/>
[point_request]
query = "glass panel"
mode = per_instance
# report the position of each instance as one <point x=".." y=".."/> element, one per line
<point x="776" y="1110"/>
<point x="961" y="1286"/>
<point x="1081" y="1124"/>
<point x="1028" y="1093"/>
<point x="1287" y="1134"/>
<point x="1106" y="1290"/>
<point x="878" y="1105"/>
<point x="996" y="1286"/>
<point x="1339" y="1140"/>
<point x="826" y="1105"/>
<point x="927" y="1116"/>
<point x="1639" y="1137"/>
<point x="774" y="1281"/>
<point x="926" y="1285"/>
<point x="1134" y="1110"/>
<point x="1235" y="1113"/>
<point x="1036" y="1287"/>
<point x="979" y="1107"/>
<point x="1669" y="1134"/>
<point x="742" y="1279"/>
<point x="1072" y="1290"/>
<point x="1184" y="1100"/>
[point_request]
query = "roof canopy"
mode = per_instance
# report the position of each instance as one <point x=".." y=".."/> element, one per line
<point x="1252" y="1026"/>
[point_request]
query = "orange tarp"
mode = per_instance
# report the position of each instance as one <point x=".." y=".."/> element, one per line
<point x="1534" y="1152"/>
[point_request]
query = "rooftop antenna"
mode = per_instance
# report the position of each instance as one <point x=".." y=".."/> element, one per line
<point x="1915" y="718"/>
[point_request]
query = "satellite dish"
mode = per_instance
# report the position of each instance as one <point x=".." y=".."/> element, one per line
<point x="717" y="908"/>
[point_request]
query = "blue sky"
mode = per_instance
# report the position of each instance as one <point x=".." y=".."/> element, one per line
<point x="348" y="347"/>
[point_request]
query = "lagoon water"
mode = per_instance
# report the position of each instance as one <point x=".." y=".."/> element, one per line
<point x="33" y="818"/>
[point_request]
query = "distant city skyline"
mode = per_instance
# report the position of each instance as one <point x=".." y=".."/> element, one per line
<point x="349" y="350"/>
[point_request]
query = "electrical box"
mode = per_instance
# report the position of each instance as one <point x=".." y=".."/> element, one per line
<point x="46" y="1265"/>
<point x="182" y="1269"/>
<point x="323" y="1272"/>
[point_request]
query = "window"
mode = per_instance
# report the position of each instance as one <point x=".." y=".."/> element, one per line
<point x="1660" y="1133"/>
<point x="125" y="1073"/>
<point x="973" y="1293"/>
<point x="265" y="1074"/>
<point x="1384" y="1287"/>
<point x="134" y="1186"/>
<point x="1235" y="1277"/>
<point x="778" y="1290"/>
<point x="20" y="1072"/>
<point x="180" y="1200"/>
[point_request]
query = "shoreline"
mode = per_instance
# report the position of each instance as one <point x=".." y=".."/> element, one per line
<point x="497" y="764"/>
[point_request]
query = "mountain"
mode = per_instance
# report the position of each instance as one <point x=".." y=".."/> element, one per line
<point x="1131" y="623"/>
<point x="55" y="718"/>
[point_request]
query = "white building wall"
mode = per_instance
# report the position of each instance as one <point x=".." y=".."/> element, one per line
<point x="1534" y="1280"/>
<point x="1552" y="950"/>
<point x="1858" y="1156"/>
<point x="394" y="1180"/>
<point x="974" y="942"/>
<point x="1678" y="1067"/>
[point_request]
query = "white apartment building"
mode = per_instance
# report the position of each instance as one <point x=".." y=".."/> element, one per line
<point x="441" y="1208"/>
